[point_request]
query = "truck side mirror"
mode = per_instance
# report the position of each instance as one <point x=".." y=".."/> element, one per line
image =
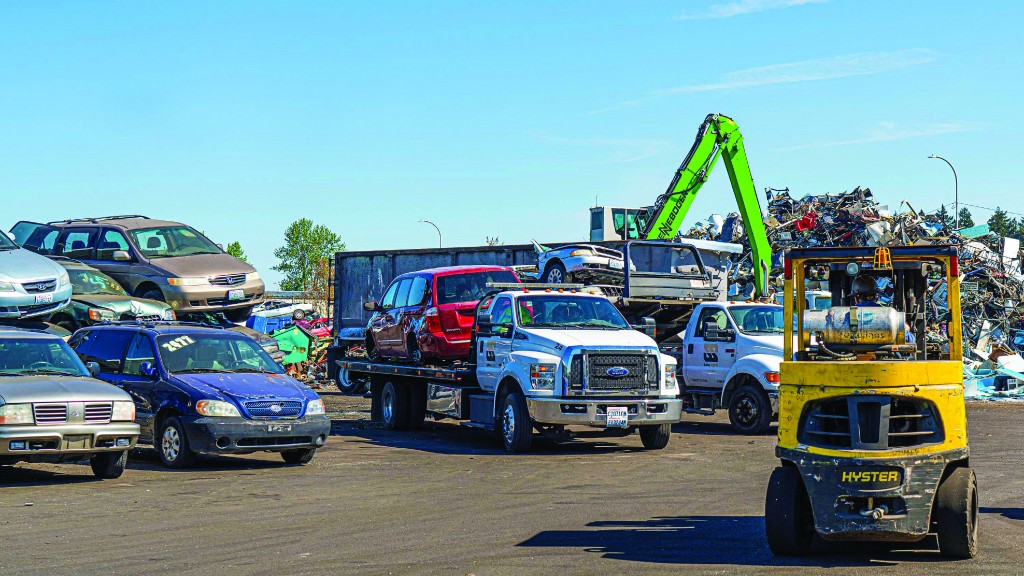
<point x="647" y="326"/>
<point x="148" y="369"/>
<point x="93" y="368"/>
<point x="720" y="335"/>
<point x="371" y="306"/>
<point x="122" y="256"/>
<point x="484" y="325"/>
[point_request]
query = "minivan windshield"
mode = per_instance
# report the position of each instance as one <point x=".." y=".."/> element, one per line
<point x="92" y="282"/>
<point x="170" y="241"/>
<point x="197" y="352"/>
<point x="569" y="312"/>
<point x="38" y="356"/>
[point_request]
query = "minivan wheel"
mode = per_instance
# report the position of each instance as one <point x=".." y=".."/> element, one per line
<point x="172" y="445"/>
<point x="109" y="465"/>
<point x="153" y="294"/>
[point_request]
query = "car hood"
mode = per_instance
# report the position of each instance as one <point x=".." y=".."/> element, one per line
<point x="19" y="265"/>
<point x="247" y="386"/>
<point x="122" y="304"/>
<point x="203" y="265"/>
<point x="583" y="338"/>
<point x="24" y="389"/>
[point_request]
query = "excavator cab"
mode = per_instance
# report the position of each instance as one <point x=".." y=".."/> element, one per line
<point x="872" y="425"/>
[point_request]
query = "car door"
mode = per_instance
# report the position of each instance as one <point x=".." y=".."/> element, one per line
<point x="492" y="351"/>
<point x="392" y="331"/>
<point x="141" y="388"/>
<point x="702" y="356"/>
<point x="411" y="315"/>
<point x="379" y="320"/>
<point x="39" y="238"/>
<point x="110" y="242"/>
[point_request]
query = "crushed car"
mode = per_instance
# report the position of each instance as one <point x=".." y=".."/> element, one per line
<point x="97" y="297"/>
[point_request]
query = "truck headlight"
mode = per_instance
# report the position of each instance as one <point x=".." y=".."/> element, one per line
<point x="187" y="281"/>
<point x="315" y="407"/>
<point x="123" y="412"/>
<point x="169" y="315"/>
<point x="542" y="376"/>
<point x="101" y="315"/>
<point x="63" y="281"/>
<point x="16" y="414"/>
<point x="670" y="377"/>
<point x="217" y="408"/>
<point x="582" y="252"/>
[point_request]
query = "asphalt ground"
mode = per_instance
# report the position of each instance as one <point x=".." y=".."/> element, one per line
<point x="446" y="500"/>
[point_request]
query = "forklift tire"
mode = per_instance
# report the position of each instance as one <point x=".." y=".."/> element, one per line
<point x="788" y="519"/>
<point x="516" y="425"/>
<point x="956" y="514"/>
<point x="750" y="410"/>
<point x="655" y="437"/>
<point x="394" y="406"/>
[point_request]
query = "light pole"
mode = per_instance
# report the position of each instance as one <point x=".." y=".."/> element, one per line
<point x="438" y="231"/>
<point x="956" y="193"/>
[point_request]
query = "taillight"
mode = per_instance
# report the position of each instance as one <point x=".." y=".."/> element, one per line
<point x="433" y="320"/>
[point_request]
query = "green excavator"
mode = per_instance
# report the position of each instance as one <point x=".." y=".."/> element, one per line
<point x="718" y="136"/>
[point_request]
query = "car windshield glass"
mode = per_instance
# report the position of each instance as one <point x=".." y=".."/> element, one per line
<point x="6" y="243"/>
<point x="569" y="312"/>
<point x="228" y="352"/>
<point x="757" y="319"/>
<point x="91" y="282"/>
<point x="469" y="287"/>
<point x="38" y="356"/>
<point x="168" y="241"/>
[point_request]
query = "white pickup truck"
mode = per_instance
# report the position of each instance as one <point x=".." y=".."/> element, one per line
<point x="729" y="357"/>
<point x="543" y="359"/>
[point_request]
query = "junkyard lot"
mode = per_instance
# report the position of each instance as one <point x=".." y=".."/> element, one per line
<point x="447" y="501"/>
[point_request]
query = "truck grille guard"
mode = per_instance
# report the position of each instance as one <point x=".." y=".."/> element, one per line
<point x="590" y="371"/>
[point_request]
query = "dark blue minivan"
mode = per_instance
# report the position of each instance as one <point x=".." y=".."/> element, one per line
<point x="204" y="390"/>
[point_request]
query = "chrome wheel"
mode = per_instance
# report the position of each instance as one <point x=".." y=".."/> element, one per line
<point x="509" y="424"/>
<point x="387" y="405"/>
<point x="171" y="443"/>
<point x="555" y="276"/>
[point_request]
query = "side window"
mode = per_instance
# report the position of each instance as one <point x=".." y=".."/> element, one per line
<point x="78" y="243"/>
<point x="108" y="349"/>
<point x="388" y="301"/>
<point x="711" y="318"/>
<point x="501" y="312"/>
<point x="140" y="350"/>
<point x="110" y="241"/>
<point x="418" y="292"/>
<point x="402" y="299"/>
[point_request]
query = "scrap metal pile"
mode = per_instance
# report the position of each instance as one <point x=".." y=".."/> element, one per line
<point x="992" y="283"/>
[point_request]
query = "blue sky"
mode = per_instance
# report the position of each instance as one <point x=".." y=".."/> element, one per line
<point x="499" y="119"/>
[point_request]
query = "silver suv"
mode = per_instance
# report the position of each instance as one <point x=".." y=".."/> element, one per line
<point x="53" y="410"/>
<point x="155" y="259"/>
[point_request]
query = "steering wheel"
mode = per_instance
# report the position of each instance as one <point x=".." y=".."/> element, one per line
<point x="40" y="364"/>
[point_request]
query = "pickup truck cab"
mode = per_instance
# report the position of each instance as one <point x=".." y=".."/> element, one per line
<point x="203" y="390"/>
<point x="543" y="358"/>
<point x="729" y="357"/>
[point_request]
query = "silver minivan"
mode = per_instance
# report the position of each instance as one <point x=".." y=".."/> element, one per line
<point x="30" y="285"/>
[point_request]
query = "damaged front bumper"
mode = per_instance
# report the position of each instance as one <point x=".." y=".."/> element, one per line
<point x="880" y="499"/>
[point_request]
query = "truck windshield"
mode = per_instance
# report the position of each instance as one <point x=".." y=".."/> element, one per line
<point x="469" y="287"/>
<point x="757" y="319"/>
<point x="89" y="282"/>
<point x="195" y="352"/>
<point x="170" y="241"/>
<point x="569" y="312"/>
<point x="37" y="356"/>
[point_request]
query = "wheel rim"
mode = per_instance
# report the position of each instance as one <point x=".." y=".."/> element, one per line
<point x="171" y="444"/>
<point x="746" y="410"/>
<point x="554" y="276"/>
<point x="509" y="424"/>
<point x="387" y="405"/>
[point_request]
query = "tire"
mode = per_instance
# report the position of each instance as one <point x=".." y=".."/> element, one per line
<point x="394" y="406"/>
<point x="172" y="445"/>
<point x="109" y="465"/>
<point x="788" y="520"/>
<point x="555" y="273"/>
<point x="345" y="383"/>
<point x="372" y="354"/>
<point x="300" y="456"/>
<point x="655" y="437"/>
<point x="750" y="411"/>
<point x="152" y="294"/>
<point x="415" y="355"/>
<point x="68" y="324"/>
<point x="238" y="314"/>
<point x="417" y="406"/>
<point x="956" y="514"/>
<point x="516" y="426"/>
<point x="298" y="314"/>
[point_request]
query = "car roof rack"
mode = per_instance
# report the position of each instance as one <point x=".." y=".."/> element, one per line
<point x="98" y="219"/>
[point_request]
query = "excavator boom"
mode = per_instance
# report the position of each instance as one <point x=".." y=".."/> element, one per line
<point x="718" y="136"/>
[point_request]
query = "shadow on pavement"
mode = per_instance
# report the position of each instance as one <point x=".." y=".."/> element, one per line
<point x="693" y="425"/>
<point x="23" y="476"/>
<point x="147" y="459"/>
<point x="1011" y="513"/>
<point x="717" y="540"/>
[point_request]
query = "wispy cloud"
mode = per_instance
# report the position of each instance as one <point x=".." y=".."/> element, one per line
<point x="612" y="150"/>
<point x="888" y="131"/>
<point x="730" y="9"/>
<point x="818" y="69"/>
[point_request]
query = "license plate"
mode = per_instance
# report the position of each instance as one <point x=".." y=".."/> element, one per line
<point x="236" y="294"/>
<point x="615" y="264"/>
<point x="44" y="298"/>
<point x="870" y="477"/>
<point x="618" y="417"/>
<point x="279" y="427"/>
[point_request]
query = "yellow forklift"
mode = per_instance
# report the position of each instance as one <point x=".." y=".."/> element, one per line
<point x="872" y="424"/>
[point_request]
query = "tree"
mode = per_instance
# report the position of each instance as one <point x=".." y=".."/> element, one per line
<point x="235" y="249"/>
<point x="307" y="247"/>
<point x="944" y="217"/>
<point x="1001" y="224"/>
<point x="492" y="241"/>
<point x="966" y="221"/>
